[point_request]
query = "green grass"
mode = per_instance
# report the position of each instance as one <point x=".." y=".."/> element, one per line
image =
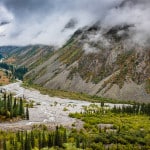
<point x="126" y="128"/>
<point x="72" y="95"/>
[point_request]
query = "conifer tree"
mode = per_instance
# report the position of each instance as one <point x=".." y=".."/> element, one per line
<point x="57" y="137"/>
<point x="65" y="136"/>
<point x="40" y="141"/>
<point x="43" y="139"/>
<point x="21" y="108"/>
<point x="27" y="113"/>
<point x="77" y="142"/>
<point x="15" y="103"/>
<point x="50" y="140"/>
<point x="26" y="141"/>
<point x="18" y="138"/>
<point x="22" y="141"/>
<point x="8" y="103"/>
<point x="32" y="139"/>
<point x="4" y="145"/>
<point x="5" y="101"/>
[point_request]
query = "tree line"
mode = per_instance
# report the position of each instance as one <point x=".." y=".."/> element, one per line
<point x="12" y="107"/>
<point x="17" y="72"/>
<point x="136" y="109"/>
<point x="28" y="140"/>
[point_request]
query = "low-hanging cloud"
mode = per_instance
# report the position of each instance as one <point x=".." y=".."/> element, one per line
<point x="43" y="22"/>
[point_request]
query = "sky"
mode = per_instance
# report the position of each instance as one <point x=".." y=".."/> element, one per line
<point x="24" y="22"/>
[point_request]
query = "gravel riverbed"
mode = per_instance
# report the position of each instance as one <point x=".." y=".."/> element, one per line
<point x="48" y="110"/>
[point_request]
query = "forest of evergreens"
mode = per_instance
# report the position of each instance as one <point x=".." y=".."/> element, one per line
<point x="34" y="139"/>
<point x="11" y="107"/>
<point x="17" y="72"/>
<point x="136" y="108"/>
<point x="119" y="128"/>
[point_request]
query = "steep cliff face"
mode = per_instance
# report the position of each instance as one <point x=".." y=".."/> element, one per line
<point x="98" y="61"/>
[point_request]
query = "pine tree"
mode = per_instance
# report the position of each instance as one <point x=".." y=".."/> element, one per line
<point x="8" y="103"/>
<point x="50" y="140"/>
<point x="57" y="137"/>
<point x="15" y="146"/>
<point x="77" y="142"/>
<point x="22" y="141"/>
<point x="26" y="142"/>
<point x="27" y="113"/>
<point x="32" y="139"/>
<point x="65" y="136"/>
<point x="15" y="103"/>
<point x="43" y="139"/>
<point x="40" y="141"/>
<point x="4" y="145"/>
<point x="5" y="101"/>
<point x="15" y="108"/>
<point x="102" y="104"/>
<point x="21" y="108"/>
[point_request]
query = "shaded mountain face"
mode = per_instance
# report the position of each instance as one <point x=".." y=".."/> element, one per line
<point x="7" y="50"/>
<point x="71" y="24"/>
<point x="110" y="58"/>
<point x="28" y="56"/>
<point x="98" y="62"/>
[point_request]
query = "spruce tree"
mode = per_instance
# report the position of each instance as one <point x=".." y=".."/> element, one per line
<point x="32" y="139"/>
<point x="50" y="140"/>
<point x="65" y="136"/>
<point x="15" y="103"/>
<point x="5" y="101"/>
<point x="4" y="145"/>
<point x="56" y="143"/>
<point x="43" y="140"/>
<point x="77" y="142"/>
<point x="27" y="113"/>
<point x="40" y="141"/>
<point x="21" y="108"/>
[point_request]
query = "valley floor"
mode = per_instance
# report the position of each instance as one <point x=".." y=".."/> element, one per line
<point x="47" y="110"/>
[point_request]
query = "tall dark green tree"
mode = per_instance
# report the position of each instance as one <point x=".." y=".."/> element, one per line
<point x="5" y="101"/>
<point x="4" y="145"/>
<point x="50" y="140"/>
<point x="40" y="141"/>
<point x="21" y="107"/>
<point x="32" y="139"/>
<point x="44" y="143"/>
<point x="27" y="113"/>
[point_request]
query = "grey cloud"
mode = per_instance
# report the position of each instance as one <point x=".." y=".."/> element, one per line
<point x="135" y="13"/>
<point x="42" y="21"/>
<point x="28" y="8"/>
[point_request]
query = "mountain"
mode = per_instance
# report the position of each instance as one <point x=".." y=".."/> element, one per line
<point x="99" y="62"/>
<point x="71" y="24"/>
<point x="28" y="56"/>
<point x="95" y="60"/>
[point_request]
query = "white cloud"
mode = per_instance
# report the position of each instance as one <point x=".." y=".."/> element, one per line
<point x="42" y="22"/>
<point x="37" y="21"/>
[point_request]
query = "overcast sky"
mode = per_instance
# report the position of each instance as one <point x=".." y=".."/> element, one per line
<point x="24" y="22"/>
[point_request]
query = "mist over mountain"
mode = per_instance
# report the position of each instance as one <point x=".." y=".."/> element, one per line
<point x="42" y="22"/>
<point x="98" y="47"/>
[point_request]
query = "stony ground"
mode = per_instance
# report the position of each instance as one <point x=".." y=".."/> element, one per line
<point x="47" y="110"/>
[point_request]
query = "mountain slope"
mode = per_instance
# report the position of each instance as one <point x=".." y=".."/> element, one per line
<point x="28" y="56"/>
<point x="98" y="62"/>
